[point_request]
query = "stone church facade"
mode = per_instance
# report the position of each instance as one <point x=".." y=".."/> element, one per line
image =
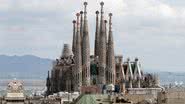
<point x="77" y="70"/>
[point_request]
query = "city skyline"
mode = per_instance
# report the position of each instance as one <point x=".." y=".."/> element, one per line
<point x="42" y="27"/>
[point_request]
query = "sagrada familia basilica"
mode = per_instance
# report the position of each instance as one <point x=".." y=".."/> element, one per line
<point x="77" y="70"/>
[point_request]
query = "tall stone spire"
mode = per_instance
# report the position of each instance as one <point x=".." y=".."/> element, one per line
<point x="102" y="49"/>
<point x="81" y="24"/>
<point x="106" y="39"/>
<point x="74" y="36"/>
<point x="48" y="84"/>
<point x="86" y="50"/>
<point x="78" y="57"/>
<point x="96" y="49"/>
<point x="110" y="55"/>
<point x="105" y="21"/>
<point x="81" y="28"/>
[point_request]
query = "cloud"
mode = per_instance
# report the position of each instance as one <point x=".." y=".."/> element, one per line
<point x="152" y="30"/>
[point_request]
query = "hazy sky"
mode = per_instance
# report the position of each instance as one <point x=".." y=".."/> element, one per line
<point x="152" y="30"/>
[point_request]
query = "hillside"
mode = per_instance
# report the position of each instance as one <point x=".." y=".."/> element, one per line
<point x="27" y="66"/>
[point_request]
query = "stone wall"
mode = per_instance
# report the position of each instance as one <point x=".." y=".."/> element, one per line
<point x="172" y="96"/>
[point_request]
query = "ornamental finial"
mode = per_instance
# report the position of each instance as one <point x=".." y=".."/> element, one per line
<point x="102" y="3"/>
<point x="77" y="14"/>
<point x="97" y="12"/>
<point x="74" y="21"/>
<point x="85" y="3"/>
<point x="81" y="12"/>
<point x="110" y="14"/>
<point x="85" y="7"/>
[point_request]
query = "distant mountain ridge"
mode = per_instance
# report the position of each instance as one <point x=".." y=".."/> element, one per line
<point x="27" y="64"/>
<point x="33" y="67"/>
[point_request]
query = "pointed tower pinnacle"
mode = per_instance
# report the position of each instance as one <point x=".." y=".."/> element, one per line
<point x="105" y="21"/>
<point x="48" y="84"/>
<point x="81" y="32"/>
<point x="74" y="36"/>
<point x="102" y="49"/>
<point x="85" y="50"/>
<point x="78" y="58"/>
<point x="48" y="75"/>
<point x="110" y="55"/>
<point x="96" y="49"/>
<point x="106" y="39"/>
<point x="81" y="24"/>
